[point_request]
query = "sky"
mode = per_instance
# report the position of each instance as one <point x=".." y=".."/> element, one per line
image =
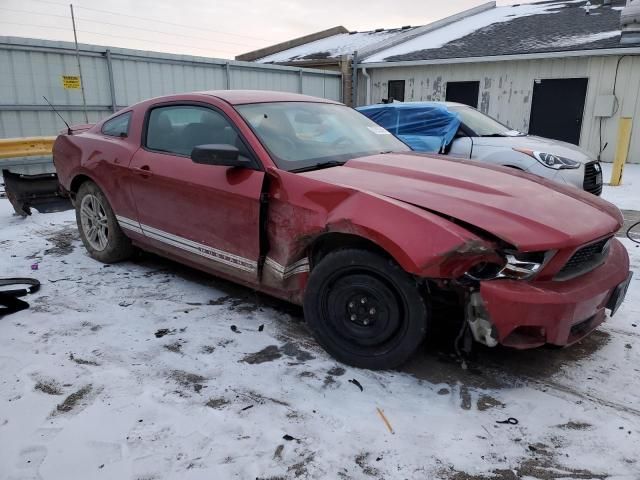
<point x="212" y="28"/>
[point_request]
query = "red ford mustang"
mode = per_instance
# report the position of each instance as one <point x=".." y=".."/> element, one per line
<point x="308" y="200"/>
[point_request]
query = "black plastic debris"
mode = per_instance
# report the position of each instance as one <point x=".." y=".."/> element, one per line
<point x="261" y="328"/>
<point x="164" y="331"/>
<point x="247" y="408"/>
<point x="234" y="329"/>
<point x="357" y="384"/>
<point x="508" y="421"/>
<point x="288" y="437"/>
<point x="10" y="298"/>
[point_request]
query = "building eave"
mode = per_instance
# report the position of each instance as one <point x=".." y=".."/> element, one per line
<point x="506" y="58"/>
<point x="309" y="63"/>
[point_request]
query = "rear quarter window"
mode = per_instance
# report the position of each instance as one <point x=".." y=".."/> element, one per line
<point x="117" y="126"/>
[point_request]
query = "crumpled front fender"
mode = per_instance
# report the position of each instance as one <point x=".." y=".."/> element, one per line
<point x="302" y="209"/>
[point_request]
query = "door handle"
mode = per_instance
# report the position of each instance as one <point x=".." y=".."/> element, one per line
<point x="143" y="171"/>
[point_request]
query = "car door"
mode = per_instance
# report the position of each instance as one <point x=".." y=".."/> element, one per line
<point x="205" y="214"/>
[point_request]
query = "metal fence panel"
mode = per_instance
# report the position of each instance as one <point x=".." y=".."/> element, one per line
<point x="32" y="68"/>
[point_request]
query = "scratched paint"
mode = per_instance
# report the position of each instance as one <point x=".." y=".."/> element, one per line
<point x="485" y="98"/>
<point x="437" y="89"/>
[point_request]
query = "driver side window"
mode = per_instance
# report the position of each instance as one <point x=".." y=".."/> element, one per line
<point x="177" y="129"/>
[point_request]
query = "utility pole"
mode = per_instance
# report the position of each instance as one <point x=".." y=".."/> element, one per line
<point x="75" y="38"/>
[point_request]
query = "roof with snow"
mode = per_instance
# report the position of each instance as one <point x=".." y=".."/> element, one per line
<point x="548" y="26"/>
<point x="486" y="30"/>
<point x="337" y="45"/>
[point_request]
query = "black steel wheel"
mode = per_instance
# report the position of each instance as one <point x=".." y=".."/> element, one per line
<point x="364" y="309"/>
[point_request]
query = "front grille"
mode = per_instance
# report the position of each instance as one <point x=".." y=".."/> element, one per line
<point x="593" y="178"/>
<point x="585" y="259"/>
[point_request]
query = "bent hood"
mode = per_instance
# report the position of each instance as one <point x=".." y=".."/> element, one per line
<point x="524" y="210"/>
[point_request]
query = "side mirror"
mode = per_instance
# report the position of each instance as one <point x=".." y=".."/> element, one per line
<point x="218" y="154"/>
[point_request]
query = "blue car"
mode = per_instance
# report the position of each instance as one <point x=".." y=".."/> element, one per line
<point x="424" y="126"/>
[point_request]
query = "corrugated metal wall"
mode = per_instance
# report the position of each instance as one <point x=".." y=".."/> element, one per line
<point x="506" y="89"/>
<point x="31" y="68"/>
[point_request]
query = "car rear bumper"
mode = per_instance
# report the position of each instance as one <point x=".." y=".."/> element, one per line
<point x="531" y="314"/>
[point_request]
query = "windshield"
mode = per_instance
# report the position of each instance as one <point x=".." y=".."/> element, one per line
<point x="481" y="124"/>
<point x="304" y="135"/>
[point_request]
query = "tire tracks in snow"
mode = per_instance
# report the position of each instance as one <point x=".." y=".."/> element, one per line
<point x="557" y="389"/>
<point x="621" y="332"/>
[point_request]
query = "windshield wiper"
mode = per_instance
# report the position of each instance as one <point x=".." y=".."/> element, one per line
<point x="319" y="166"/>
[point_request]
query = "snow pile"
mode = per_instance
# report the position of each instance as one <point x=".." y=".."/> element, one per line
<point x="582" y="39"/>
<point x="440" y="37"/>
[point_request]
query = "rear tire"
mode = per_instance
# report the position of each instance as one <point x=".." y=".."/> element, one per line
<point x="365" y="310"/>
<point x="99" y="230"/>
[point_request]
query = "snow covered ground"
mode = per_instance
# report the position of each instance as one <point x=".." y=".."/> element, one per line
<point x="150" y="370"/>
<point x="627" y="195"/>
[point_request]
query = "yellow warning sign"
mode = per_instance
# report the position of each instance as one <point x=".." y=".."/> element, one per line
<point x="71" y="82"/>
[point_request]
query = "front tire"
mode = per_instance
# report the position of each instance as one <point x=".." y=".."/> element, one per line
<point x="99" y="229"/>
<point x="365" y="310"/>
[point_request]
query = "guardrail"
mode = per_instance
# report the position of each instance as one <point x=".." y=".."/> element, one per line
<point x="26" y="147"/>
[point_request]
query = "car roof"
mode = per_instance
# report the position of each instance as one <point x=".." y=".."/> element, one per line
<point x="242" y="97"/>
<point x="413" y="105"/>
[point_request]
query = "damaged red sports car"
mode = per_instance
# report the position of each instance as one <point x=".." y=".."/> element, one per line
<point x="308" y="200"/>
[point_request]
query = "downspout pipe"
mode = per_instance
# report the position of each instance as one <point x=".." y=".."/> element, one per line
<point x="354" y="80"/>
<point x="367" y="86"/>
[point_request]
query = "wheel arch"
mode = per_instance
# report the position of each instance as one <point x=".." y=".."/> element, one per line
<point x="78" y="180"/>
<point x="331" y="241"/>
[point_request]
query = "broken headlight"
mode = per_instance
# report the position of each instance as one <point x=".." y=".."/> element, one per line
<point x="516" y="265"/>
<point x="550" y="160"/>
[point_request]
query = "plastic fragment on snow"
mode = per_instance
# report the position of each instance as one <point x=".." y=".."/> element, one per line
<point x="386" y="421"/>
<point x="357" y="384"/>
<point x="163" y="331"/>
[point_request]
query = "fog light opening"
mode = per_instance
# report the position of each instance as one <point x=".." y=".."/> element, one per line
<point x="485" y="271"/>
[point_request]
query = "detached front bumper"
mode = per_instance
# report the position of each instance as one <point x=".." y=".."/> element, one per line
<point x="531" y="314"/>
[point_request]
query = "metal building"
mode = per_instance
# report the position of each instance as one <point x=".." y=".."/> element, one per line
<point x="114" y="78"/>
